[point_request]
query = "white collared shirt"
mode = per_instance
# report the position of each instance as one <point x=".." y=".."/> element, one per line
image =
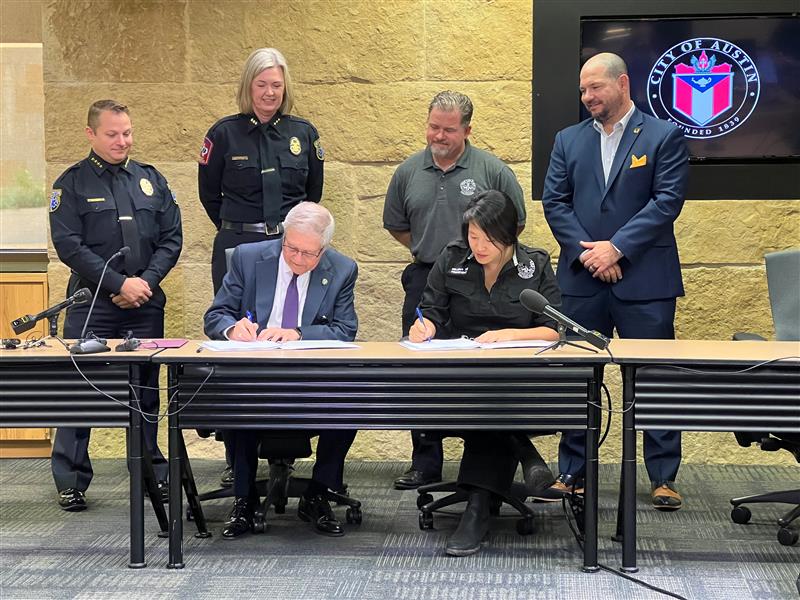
<point x="284" y="278"/>
<point x="609" y="142"/>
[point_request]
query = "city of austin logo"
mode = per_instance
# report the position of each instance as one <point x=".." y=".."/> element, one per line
<point x="706" y="86"/>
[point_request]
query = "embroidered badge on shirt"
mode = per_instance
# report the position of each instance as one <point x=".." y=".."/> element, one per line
<point x="468" y="187"/>
<point x="320" y="151"/>
<point x="294" y="146"/>
<point x="526" y="271"/>
<point x="458" y="270"/>
<point x="146" y="186"/>
<point x="205" y="151"/>
<point x="55" y="200"/>
<point x="174" y="197"/>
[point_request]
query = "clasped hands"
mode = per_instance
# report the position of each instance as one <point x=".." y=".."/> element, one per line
<point x="134" y="292"/>
<point x="601" y="259"/>
<point x="246" y="331"/>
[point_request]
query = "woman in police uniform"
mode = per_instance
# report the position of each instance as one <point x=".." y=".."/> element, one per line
<point x="473" y="290"/>
<point x="256" y="165"/>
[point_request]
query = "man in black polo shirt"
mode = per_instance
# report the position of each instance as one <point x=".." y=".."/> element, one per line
<point x="424" y="204"/>
<point x="98" y="205"/>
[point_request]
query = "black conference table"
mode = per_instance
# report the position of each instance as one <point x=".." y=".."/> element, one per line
<point x="382" y="385"/>
<point x="700" y="385"/>
<point x="41" y="387"/>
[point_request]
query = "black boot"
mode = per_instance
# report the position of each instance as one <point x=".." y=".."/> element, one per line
<point x="473" y="527"/>
<point x="240" y="520"/>
<point x="537" y="474"/>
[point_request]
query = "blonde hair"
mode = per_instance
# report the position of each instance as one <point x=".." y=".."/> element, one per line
<point x="263" y="58"/>
<point x="93" y="118"/>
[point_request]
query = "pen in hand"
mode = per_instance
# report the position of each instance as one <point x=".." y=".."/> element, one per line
<point x="249" y="316"/>
<point x="422" y="322"/>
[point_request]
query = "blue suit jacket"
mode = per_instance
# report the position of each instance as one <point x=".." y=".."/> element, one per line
<point x="329" y="311"/>
<point x="635" y="210"/>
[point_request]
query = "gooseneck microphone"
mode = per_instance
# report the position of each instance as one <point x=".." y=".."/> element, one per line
<point x="27" y="322"/>
<point x="535" y="302"/>
<point x="95" y="345"/>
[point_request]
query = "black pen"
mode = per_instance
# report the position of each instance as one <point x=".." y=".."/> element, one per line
<point x="199" y="350"/>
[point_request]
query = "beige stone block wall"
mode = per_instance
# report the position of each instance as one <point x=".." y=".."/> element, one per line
<point x="364" y="72"/>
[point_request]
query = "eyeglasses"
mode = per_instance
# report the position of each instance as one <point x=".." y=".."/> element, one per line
<point x="301" y="253"/>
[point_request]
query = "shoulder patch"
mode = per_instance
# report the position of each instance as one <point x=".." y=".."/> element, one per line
<point x="205" y="151"/>
<point x="174" y="197"/>
<point x="320" y="151"/>
<point x="55" y="200"/>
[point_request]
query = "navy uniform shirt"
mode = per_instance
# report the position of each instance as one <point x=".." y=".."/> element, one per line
<point x="229" y="175"/>
<point x="85" y="227"/>
<point x="457" y="302"/>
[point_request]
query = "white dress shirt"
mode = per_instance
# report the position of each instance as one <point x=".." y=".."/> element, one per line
<point x="609" y="142"/>
<point x="284" y="278"/>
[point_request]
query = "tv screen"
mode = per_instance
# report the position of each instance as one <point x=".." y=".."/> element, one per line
<point x="731" y="84"/>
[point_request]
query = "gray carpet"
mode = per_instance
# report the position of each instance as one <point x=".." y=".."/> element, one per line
<point x="696" y="552"/>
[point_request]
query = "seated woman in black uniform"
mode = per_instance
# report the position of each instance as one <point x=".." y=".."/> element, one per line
<point x="473" y="290"/>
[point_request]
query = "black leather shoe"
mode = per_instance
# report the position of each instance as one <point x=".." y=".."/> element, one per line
<point x="412" y="479"/>
<point x="535" y="471"/>
<point x="472" y="528"/>
<point x="71" y="500"/>
<point x="240" y="521"/>
<point x="226" y="479"/>
<point x="317" y="511"/>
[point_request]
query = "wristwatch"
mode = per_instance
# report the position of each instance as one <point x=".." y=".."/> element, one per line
<point x="300" y="333"/>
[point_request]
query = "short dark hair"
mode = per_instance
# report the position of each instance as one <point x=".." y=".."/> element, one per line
<point x="93" y="118"/>
<point x="495" y="214"/>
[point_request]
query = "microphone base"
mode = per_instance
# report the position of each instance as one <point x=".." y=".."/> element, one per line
<point x="89" y="347"/>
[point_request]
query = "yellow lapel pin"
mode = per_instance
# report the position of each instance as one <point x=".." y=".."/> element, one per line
<point x="638" y="161"/>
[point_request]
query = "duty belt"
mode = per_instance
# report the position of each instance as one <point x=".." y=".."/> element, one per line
<point x="253" y="227"/>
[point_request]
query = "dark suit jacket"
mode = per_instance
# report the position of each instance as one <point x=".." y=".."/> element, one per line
<point x="329" y="311"/>
<point x="635" y="210"/>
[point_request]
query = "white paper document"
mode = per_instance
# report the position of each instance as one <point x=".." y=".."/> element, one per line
<point x="470" y="344"/>
<point x="233" y="346"/>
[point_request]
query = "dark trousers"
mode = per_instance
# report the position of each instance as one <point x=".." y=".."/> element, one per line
<point x="70" y="461"/>
<point x="653" y="319"/>
<point x="332" y="448"/>
<point x="427" y="455"/>
<point x="489" y="461"/>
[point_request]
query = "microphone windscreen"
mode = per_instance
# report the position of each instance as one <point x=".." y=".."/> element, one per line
<point x="82" y="295"/>
<point x="125" y="250"/>
<point x="533" y="301"/>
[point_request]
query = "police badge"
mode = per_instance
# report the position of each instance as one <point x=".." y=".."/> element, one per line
<point x="526" y="271"/>
<point x="146" y="186"/>
<point x="294" y="146"/>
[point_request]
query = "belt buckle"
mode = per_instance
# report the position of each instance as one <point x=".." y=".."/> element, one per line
<point x="277" y="230"/>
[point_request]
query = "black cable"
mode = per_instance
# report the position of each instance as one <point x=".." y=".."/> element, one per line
<point x="608" y="420"/>
<point x="608" y="569"/>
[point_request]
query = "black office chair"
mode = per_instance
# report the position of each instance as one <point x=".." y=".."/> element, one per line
<point x="427" y="505"/>
<point x="783" y="282"/>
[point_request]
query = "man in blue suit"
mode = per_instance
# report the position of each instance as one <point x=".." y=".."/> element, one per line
<point x="615" y="185"/>
<point x="283" y="290"/>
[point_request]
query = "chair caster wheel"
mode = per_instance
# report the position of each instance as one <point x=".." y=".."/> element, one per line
<point x="354" y="515"/>
<point x="741" y="515"/>
<point x="788" y="536"/>
<point x="424" y="499"/>
<point x="525" y="526"/>
<point x="259" y="526"/>
<point x="425" y="520"/>
<point x="189" y="514"/>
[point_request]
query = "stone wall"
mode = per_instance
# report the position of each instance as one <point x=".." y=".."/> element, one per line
<point x="364" y="73"/>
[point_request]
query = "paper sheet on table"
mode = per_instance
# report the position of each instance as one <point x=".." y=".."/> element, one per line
<point x="233" y="346"/>
<point x="469" y="344"/>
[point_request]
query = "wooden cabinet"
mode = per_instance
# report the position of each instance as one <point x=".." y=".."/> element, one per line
<point x="22" y="294"/>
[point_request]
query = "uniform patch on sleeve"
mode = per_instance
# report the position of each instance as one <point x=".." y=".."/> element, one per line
<point x="174" y="197"/>
<point x="320" y="151"/>
<point x="55" y="200"/>
<point x="205" y="151"/>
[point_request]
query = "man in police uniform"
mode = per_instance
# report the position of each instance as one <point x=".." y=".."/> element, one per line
<point x="424" y="205"/>
<point x="101" y="203"/>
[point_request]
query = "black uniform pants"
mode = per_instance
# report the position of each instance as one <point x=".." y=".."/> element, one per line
<point x="332" y="448"/>
<point x="70" y="461"/>
<point x="489" y="461"/>
<point x="427" y="454"/>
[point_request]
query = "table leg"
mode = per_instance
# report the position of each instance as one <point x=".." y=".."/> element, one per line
<point x="591" y="480"/>
<point x="175" y="477"/>
<point x="135" y="460"/>
<point x="628" y="471"/>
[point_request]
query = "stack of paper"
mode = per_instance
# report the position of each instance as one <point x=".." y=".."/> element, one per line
<point x="470" y="344"/>
<point x="232" y="346"/>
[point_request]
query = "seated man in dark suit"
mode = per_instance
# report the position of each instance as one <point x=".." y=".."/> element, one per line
<point x="282" y="290"/>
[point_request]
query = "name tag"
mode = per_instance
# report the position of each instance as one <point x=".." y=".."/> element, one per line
<point x="240" y="157"/>
<point x="95" y="199"/>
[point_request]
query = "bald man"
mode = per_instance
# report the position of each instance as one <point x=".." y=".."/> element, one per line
<point x="615" y="185"/>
